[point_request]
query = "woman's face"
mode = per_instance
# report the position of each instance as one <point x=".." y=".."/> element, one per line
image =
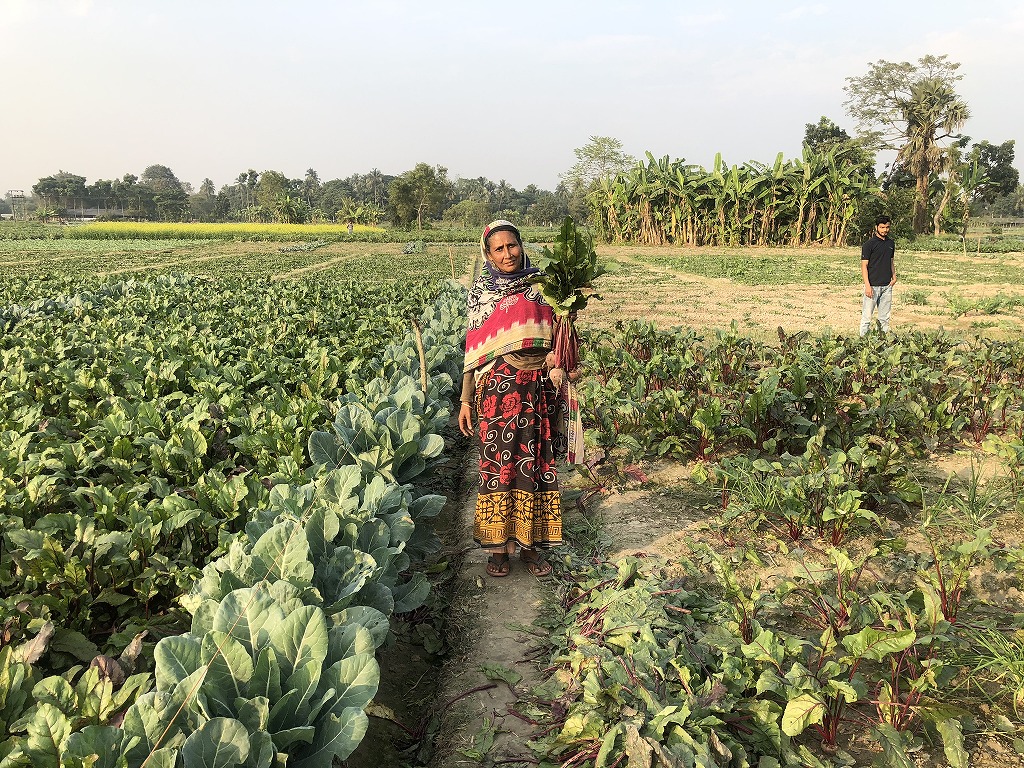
<point x="504" y="251"/>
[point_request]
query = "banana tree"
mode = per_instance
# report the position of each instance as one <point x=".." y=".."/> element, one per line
<point x="971" y="178"/>
<point x="810" y="199"/>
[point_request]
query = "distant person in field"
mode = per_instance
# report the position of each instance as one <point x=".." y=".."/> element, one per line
<point x="878" y="269"/>
<point x="350" y="227"/>
<point x="510" y="384"/>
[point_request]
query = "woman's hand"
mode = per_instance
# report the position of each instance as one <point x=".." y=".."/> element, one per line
<point x="466" y="419"/>
<point x="557" y="377"/>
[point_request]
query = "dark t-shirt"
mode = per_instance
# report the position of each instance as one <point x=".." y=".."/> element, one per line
<point x="879" y="254"/>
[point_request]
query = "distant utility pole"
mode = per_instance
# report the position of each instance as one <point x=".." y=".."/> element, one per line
<point x="16" y="196"/>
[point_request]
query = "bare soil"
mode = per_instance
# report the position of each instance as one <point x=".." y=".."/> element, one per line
<point x="668" y="296"/>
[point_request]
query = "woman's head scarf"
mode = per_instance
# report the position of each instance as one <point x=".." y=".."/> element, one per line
<point x="496" y="279"/>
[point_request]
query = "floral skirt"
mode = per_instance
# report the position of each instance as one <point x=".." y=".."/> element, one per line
<point x="518" y="497"/>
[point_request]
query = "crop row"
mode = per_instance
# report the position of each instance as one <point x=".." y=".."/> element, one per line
<point x="833" y="267"/>
<point x="134" y="259"/>
<point x="289" y="617"/>
<point x="139" y="418"/>
<point x="689" y="663"/>
<point x="675" y="393"/>
<point x="143" y="419"/>
<point x="171" y="231"/>
<point x="970" y="244"/>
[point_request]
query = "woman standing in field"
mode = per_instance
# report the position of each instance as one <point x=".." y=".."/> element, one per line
<point x="508" y="381"/>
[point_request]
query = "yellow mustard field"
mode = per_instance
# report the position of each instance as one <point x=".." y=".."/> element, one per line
<point x="244" y="231"/>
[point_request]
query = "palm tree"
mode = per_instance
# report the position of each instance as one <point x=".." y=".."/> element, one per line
<point x="502" y="195"/>
<point x="378" y="187"/>
<point x="311" y="186"/>
<point x="242" y="178"/>
<point x="933" y="112"/>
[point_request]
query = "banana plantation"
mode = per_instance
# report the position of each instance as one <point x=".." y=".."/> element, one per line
<point x="809" y="200"/>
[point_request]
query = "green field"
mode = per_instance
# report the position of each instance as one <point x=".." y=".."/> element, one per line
<point x="190" y="438"/>
<point x="361" y="262"/>
<point x="219" y="468"/>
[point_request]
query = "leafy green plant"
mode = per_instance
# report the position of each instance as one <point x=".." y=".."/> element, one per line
<point x="917" y="672"/>
<point x="568" y="269"/>
<point x="260" y="678"/>
<point x="746" y="602"/>
<point x="971" y="503"/>
<point x="1011" y="453"/>
<point x="647" y="662"/>
<point x="879" y="648"/>
<point x="950" y="565"/>
<point x="265" y="675"/>
<point x="395" y="438"/>
<point x="995" y="660"/>
<point x="829" y="680"/>
<point x="822" y="492"/>
<point x="920" y="390"/>
<point x="829" y="599"/>
<point x="640" y="677"/>
<point x="39" y="714"/>
<point x="916" y="297"/>
<point x="713" y="433"/>
<point x="991" y="305"/>
<point x="482" y="741"/>
<point x="133" y="443"/>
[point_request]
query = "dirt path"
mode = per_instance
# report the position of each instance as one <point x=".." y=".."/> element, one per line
<point x="497" y="615"/>
<point x="184" y="262"/>
<point x="299" y="272"/>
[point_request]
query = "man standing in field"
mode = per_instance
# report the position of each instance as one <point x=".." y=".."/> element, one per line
<point x="877" y="267"/>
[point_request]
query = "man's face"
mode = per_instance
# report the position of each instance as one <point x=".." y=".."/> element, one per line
<point x="882" y="229"/>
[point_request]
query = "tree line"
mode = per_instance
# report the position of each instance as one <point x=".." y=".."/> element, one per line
<point x="937" y="180"/>
<point x="422" y="196"/>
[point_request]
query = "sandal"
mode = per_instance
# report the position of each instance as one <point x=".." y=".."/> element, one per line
<point x="498" y="566"/>
<point x="535" y="564"/>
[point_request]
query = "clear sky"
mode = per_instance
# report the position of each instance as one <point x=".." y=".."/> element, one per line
<point x="211" y="88"/>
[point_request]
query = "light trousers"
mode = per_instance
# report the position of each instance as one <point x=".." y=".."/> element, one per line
<point x="880" y="301"/>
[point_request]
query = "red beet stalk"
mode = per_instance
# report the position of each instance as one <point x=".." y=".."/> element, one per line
<point x="567" y="344"/>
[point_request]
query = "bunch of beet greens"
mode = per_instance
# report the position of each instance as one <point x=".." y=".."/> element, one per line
<point x="565" y="280"/>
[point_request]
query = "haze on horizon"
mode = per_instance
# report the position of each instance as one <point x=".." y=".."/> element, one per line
<point x="102" y="88"/>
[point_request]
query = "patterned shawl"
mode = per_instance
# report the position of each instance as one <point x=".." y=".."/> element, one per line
<point x="506" y="314"/>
